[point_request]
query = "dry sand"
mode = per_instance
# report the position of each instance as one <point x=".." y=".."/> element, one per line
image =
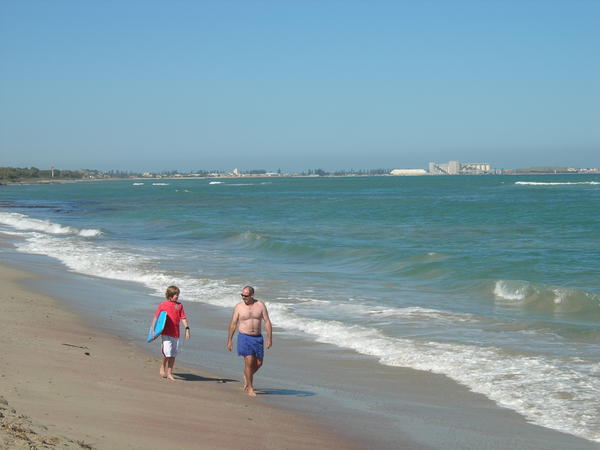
<point x="65" y="384"/>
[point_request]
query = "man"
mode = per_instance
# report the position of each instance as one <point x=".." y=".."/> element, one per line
<point x="247" y="317"/>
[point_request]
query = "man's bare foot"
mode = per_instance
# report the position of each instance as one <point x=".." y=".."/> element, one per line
<point x="162" y="373"/>
<point x="170" y="377"/>
<point x="251" y="392"/>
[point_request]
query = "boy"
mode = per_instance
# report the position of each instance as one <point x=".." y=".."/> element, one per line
<point x="170" y="335"/>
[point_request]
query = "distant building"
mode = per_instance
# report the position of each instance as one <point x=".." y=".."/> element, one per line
<point x="408" y="172"/>
<point x="476" y="168"/>
<point x="458" y="168"/>
<point x="236" y="173"/>
<point x="453" y="167"/>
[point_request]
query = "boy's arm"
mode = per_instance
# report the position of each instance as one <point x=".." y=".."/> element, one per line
<point x="187" y="328"/>
<point x="153" y="325"/>
<point x="232" y="327"/>
<point x="268" y="327"/>
<point x="156" y="313"/>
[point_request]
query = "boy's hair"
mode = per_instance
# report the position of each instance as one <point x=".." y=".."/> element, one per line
<point x="172" y="291"/>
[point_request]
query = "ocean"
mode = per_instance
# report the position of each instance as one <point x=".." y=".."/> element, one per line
<point x="491" y="281"/>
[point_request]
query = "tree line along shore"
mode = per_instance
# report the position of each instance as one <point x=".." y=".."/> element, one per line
<point x="33" y="174"/>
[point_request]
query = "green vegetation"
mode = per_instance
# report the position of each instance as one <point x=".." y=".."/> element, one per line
<point x="33" y="173"/>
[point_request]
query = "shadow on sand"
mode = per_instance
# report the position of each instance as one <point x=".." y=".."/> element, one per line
<point x="193" y="377"/>
<point x="293" y="392"/>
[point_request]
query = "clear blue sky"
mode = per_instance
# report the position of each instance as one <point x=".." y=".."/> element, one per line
<point x="186" y="85"/>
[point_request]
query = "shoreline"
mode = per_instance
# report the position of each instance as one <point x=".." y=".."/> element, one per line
<point x="68" y="385"/>
<point x="50" y="181"/>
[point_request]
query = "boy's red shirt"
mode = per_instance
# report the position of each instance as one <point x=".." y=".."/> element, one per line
<point x="175" y="313"/>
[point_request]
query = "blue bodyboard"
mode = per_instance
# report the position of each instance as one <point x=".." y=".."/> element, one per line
<point x="158" y="327"/>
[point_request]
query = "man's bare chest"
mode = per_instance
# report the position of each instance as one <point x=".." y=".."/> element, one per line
<point x="250" y="312"/>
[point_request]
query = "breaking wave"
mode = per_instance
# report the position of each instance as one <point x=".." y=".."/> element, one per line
<point x="539" y="183"/>
<point x="25" y="223"/>
<point x="546" y="298"/>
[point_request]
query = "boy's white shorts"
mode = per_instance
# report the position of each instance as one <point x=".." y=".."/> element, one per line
<point x="169" y="346"/>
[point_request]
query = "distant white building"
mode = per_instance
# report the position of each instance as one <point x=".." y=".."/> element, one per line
<point x="458" y="168"/>
<point x="453" y="167"/>
<point x="236" y="172"/>
<point x="476" y="168"/>
<point x="408" y="172"/>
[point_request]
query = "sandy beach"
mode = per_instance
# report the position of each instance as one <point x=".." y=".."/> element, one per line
<point x="66" y="385"/>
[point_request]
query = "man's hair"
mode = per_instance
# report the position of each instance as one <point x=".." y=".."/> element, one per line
<point x="250" y="288"/>
<point x="172" y="291"/>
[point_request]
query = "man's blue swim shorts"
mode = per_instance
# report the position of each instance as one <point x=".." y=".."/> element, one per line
<point x="250" y="345"/>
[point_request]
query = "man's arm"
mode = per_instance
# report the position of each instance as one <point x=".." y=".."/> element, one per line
<point x="232" y="326"/>
<point x="268" y="326"/>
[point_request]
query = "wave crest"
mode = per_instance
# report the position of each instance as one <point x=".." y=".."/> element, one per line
<point x="22" y="222"/>
<point x="565" y="183"/>
<point x="546" y="298"/>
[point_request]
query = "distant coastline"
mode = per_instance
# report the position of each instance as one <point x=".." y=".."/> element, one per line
<point x="84" y="180"/>
<point x="12" y="175"/>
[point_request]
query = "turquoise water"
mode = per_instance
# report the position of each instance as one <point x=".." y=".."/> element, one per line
<point x="491" y="281"/>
